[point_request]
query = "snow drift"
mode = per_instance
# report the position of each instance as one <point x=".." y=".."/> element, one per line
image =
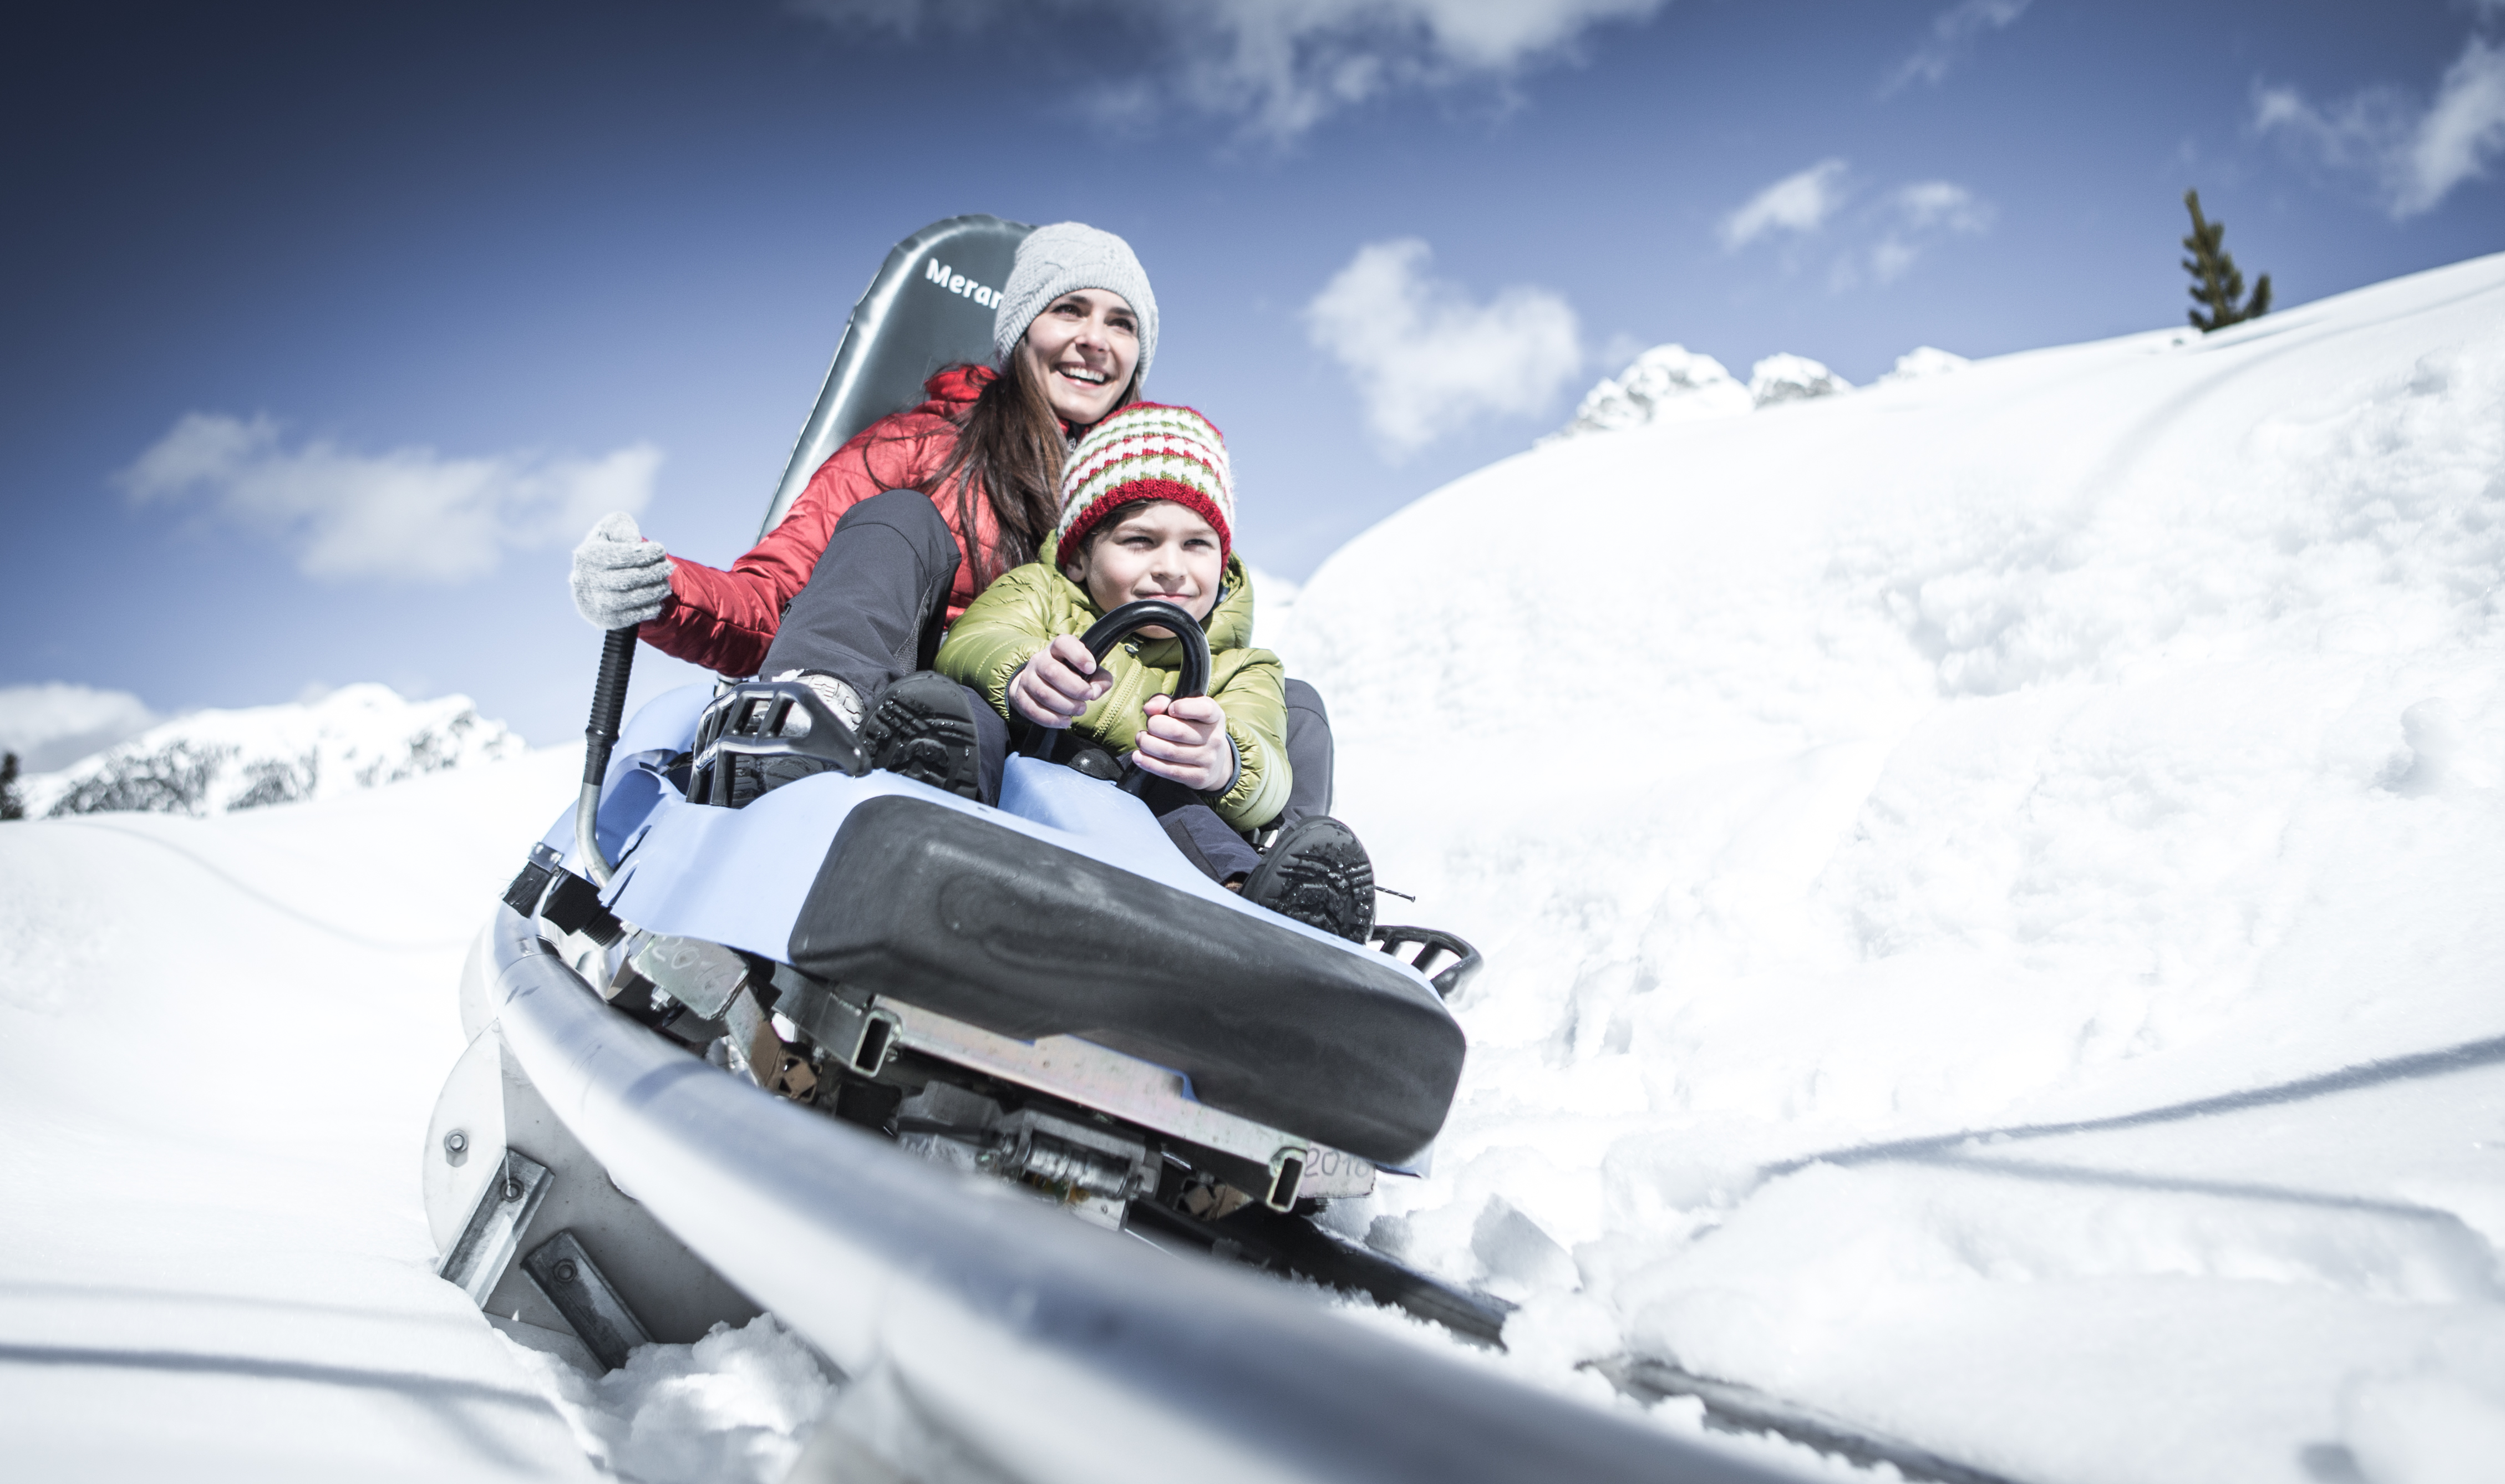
<point x="2079" y="736"/>
<point x="218" y="762"/>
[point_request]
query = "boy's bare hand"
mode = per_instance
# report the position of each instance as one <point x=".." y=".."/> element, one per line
<point x="1185" y="741"/>
<point x="1059" y="683"/>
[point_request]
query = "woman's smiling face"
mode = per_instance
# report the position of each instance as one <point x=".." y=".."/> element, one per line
<point x="1085" y="345"/>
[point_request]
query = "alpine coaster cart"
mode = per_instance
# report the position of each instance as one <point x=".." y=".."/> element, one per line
<point x="1046" y="992"/>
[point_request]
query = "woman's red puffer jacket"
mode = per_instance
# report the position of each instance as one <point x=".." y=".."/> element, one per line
<point x="723" y="620"/>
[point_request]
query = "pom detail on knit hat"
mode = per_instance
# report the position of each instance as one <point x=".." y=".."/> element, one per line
<point x="1065" y="256"/>
<point x="1146" y="451"/>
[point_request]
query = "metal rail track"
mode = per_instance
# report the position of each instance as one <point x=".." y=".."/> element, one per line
<point x="987" y="1337"/>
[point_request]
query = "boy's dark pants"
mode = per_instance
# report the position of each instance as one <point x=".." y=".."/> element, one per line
<point x="876" y="605"/>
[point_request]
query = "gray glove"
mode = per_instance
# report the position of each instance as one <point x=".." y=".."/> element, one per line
<point x="619" y="578"/>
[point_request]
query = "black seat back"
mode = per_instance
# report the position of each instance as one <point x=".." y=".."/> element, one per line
<point x="931" y="306"/>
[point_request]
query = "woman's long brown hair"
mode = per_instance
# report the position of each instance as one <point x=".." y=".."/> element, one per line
<point x="1011" y="447"/>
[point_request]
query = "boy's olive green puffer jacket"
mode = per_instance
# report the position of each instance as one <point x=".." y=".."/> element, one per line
<point x="1023" y="611"/>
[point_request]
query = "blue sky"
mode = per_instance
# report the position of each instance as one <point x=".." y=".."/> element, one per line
<point x="328" y="327"/>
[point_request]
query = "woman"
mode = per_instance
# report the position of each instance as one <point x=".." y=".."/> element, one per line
<point x="905" y="523"/>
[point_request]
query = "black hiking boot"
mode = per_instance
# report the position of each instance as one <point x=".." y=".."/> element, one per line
<point x="923" y="727"/>
<point x="1318" y="874"/>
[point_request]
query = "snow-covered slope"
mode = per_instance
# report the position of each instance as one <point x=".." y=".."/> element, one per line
<point x="1921" y="362"/>
<point x="2076" y="737"/>
<point x="214" y="762"/>
<point x="220" y="1040"/>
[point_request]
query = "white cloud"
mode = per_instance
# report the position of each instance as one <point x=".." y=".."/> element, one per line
<point x="1924" y="214"/>
<point x="1941" y="204"/>
<point x="1907" y="223"/>
<point x="1953" y="33"/>
<point x="409" y="514"/>
<point x="55" y="724"/>
<point x="1427" y="361"/>
<point x="2466" y="125"/>
<point x="2416" y="156"/>
<point x="1797" y="203"/>
<point x="1284" y="65"/>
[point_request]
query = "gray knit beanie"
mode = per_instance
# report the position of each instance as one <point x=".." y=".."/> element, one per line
<point x="1054" y="260"/>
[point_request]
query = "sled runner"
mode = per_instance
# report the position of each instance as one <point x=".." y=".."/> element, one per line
<point x="1046" y="992"/>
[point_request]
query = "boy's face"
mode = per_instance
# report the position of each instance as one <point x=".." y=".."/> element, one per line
<point x="1152" y="549"/>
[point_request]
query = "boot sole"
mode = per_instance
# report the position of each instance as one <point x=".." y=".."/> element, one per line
<point x="752" y="778"/>
<point x="929" y="744"/>
<point x="1328" y="884"/>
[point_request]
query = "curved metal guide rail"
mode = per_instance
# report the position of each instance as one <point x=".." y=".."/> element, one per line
<point x="989" y="1337"/>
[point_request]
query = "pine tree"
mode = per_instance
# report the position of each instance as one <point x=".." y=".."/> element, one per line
<point x="10" y="807"/>
<point x="2217" y="284"/>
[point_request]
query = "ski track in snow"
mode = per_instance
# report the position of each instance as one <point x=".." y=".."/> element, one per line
<point x="1989" y="884"/>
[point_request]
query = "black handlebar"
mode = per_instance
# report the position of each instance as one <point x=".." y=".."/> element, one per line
<point x="608" y="705"/>
<point x="608" y="701"/>
<point x="1118" y="625"/>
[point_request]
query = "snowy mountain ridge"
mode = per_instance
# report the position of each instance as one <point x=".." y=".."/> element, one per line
<point x="209" y="762"/>
<point x="1673" y="384"/>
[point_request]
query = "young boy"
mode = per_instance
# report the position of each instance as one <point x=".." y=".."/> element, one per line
<point x="1147" y="512"/>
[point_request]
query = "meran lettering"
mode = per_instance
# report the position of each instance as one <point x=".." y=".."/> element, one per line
<point x="958" y="283"/>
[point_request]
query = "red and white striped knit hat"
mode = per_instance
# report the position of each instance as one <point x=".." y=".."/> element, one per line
<point x="1147" y="451"/>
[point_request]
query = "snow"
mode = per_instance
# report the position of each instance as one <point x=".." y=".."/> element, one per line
<point x="220" y="1041"/>
<point x="1273" y="596"/>
<point x="1924" y="361"/>
<point x="217" y="761"/>
<point x="737" y="1404"/>
<point x="1892" y="826"/>
<point x="1989" y="892"/>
